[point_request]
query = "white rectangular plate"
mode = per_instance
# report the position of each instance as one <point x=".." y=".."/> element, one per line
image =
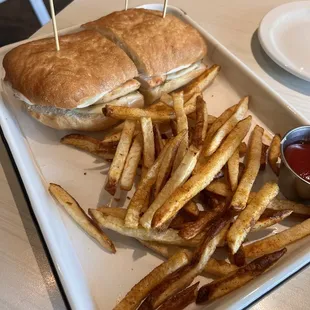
<point x="91" y="277"/>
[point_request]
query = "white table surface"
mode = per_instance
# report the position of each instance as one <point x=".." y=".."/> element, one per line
<point x="26" y="280"/>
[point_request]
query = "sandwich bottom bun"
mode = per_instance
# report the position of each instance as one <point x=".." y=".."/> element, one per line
<point x="85" y="119"/>
<point x="152" y="94"/>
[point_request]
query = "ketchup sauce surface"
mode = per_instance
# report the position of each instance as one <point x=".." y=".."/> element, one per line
<point x="298" y="157"/>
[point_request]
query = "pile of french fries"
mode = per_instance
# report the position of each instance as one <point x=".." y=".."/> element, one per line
<point x="194" y="195"/>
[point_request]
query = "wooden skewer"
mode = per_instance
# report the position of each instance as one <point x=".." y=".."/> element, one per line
<point x="54" y="25"/>
<point x="165" y="9"/>
<point x="126" y="5"/>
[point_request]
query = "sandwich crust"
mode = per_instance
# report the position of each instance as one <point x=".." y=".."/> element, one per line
<point x="78" y="119"/>
<point x="87" y="66"/>
<point x="157" y="45"/>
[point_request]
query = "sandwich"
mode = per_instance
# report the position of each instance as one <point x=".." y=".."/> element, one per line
<point x="167" y="52"/>
<point x="68" y="89"/>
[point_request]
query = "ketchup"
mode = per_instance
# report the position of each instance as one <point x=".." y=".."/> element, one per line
<point x="298" y="157"/>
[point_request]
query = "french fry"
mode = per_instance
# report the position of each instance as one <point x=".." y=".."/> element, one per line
<point x="239" y="113"/>
<point x="250" y="215"/>
<point x="89" y="144"/>
<point x="192" y="229"/>
<point x="80" y="217"/>
<point x="146" y="183"/>
<point x="202" y="160"/>
<point x="191" y="209"/>
<point x="199" y="84"/>
<point x="159" y="143"/>
<point x="173" y="126"/>
<point x="111" y="140"/>
<point x="168" y="236"/>
<point x="141" y="289"/>
<point x="242" y="149"/>
<point x="167" y="99"/>
<point x="182" y="124"/>
<point x="283" y="204"/>
<point x="271" y="219"/>
<point x="182" y="299"/>
<point x="219" y="122"/>
<point x="113" y="211"/>
<point x="238" y="278"/>
<point x="201" y="125"/>
<point x="131" y="164"/>
<point x="263" y="157"/>
<point x="242" y="192"/>
<point x="215" y="267"/>
<point x="183" y="277"/>
<point x="165" y="168"/>
<point x="179" y="220"/>
<point x="178" y="177"/>
<point x="204" y="177"/>
<point x="233" y="169"/>
<point x="119" y="159"/>
<point x="274" y="154"/>
<point x="148" y="142"/>
<point x="157" y="112"/>
<point x="277" y="241"/>
<point x="219" y="187"/>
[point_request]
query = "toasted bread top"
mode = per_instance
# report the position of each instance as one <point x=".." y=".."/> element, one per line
<point x="86" y="67"/>
<point x="157" y="45"/>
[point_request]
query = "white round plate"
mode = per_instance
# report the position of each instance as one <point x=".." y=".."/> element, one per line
<point x="284" y="34"/>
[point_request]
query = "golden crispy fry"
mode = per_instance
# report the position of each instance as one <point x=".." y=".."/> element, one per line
<point x="80" y="217"/>
<point x="179" y="220"/>
<point x="263" y="157"/>
<point x="119" y="159"/>
<point x="238" y="114"/>
<point x="250" y="215"/>
<point x="215" y="267"/>
<point x="242" y="149"/>
<point x="238" y="278"/>
<point x="192" y="229"/>
<point x="159" y="142"/>
<point x="148" y="142"/>
<point x="131" y="164"/>
<point x="283" y="204"/>
<point x="111" y="140"/>
<point x="158" y="112"/>
<point x="202" y="160"/>
<point x="182" y="124"/>
<point x="141" y="289"/>
<point x="201" y="125"/>
<point x="89" y="144"/>
<point x="274" y="154"/>
<point x="199" y="84"/>
<point x="277" y="241"/>
<point x="219" y="122"/>
<point x="167" y="99"/>
<point x="219" y="187"/>
<point x="166" y="167"/>
<point x="113" y="211"/>
<point x="204" y="177"/>
<point x="178" y="177"/>
<point x="233" y="169"/>
<point x="168" y="236"/>
<point x="191" y="209"/>
<point x="147" y="181"/>
<point x="271" y="219"/>
<point x="148" y="191"/>
<point x="183" y="277"/>
<point x="241" y="195"/>
<point x="182" y="299"/>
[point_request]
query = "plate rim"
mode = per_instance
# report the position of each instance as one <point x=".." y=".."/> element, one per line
<point x="266" y="41"/>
